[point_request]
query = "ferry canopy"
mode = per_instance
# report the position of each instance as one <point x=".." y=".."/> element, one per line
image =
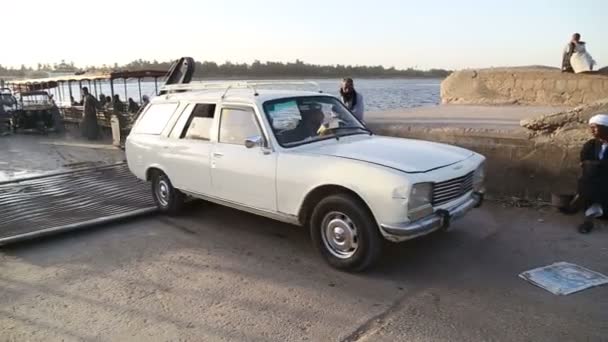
<point x="52" y="82"/>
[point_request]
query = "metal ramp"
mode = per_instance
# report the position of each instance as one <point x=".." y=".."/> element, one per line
<point x="44" y="205"/>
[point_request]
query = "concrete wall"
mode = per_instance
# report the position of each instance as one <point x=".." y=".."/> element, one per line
<point x="532" y="86"/>
<point x="516" y="166"/>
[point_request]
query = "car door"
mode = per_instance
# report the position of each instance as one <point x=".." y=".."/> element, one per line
<point x="241" y="174"/>
<point x="190" y="149"/>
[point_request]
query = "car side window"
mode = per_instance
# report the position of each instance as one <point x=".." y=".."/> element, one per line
<point x="199" y="124"/>
<point x="155" y="118"/>
<point x="236" y="125"/>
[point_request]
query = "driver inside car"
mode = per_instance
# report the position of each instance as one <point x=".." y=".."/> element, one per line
<point x="309" y="126"/>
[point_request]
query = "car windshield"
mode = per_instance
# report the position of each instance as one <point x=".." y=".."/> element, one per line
<point x="301" y="120"/>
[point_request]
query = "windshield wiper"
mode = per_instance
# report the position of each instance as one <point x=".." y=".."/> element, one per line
<point x="335" y="129"/>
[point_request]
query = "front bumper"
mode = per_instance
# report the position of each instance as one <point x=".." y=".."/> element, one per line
<point x="440" y="219"/>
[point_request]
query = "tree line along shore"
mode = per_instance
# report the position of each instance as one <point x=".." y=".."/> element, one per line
<point x="256" y="69"/>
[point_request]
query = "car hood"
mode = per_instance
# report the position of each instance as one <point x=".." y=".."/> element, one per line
<point x="408" y="155"/>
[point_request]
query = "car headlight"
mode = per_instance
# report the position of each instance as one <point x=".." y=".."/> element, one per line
<point x="479" y="178"/>
<point x="420" y="196"/>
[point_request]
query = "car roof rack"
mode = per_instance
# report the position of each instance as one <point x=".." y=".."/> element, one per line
<point x="227" y="86"/>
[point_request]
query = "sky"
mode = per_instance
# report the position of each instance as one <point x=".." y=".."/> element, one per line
<point x="421" y="34"/>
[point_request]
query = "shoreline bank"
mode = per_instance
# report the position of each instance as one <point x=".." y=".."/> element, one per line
<point x="462" y="116"/>
<point x="517" y="166"/>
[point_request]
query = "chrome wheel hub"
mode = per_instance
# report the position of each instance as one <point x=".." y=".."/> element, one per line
<point x="162" y="192"/>
<point x="339" y="235"/>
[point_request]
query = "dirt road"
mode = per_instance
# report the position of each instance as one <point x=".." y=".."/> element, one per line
<point x="215" y="274"/>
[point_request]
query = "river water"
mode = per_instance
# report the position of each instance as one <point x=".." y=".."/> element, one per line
<point x="379" y="94"/>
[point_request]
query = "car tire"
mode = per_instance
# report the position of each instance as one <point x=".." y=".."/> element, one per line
<point x="344" y="231"/>
<point x="168" y="199"/>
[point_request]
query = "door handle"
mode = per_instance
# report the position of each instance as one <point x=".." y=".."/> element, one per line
<point x="218" y="154"/>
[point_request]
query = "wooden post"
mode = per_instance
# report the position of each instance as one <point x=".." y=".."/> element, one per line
<point x="139" y="86"/>
<point x="155" y="85"/>
<point x="112" y="88"/>
<point x="70" y="90"/>
<point x="125" y="80"/>
<point x="58" y="93"/>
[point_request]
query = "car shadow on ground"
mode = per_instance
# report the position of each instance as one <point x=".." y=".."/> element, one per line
<point x="399" y="260"/>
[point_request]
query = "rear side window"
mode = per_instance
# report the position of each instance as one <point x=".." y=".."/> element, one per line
<point x="199" y="124"/>
<point x="155" y="118"/>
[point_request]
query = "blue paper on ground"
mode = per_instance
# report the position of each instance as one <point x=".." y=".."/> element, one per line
<point x="564" y="278"/>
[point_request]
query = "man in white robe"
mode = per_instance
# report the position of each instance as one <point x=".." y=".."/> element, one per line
<point x="576" y="58"/>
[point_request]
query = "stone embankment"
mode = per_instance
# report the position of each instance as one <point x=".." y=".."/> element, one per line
<point x="524" y="85"/>
<point x="540" y="157"/>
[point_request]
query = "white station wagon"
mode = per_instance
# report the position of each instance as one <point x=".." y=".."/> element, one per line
<point x="300" y="157"/>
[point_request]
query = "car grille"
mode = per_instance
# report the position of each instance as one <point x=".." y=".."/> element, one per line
<point x="449" y="190"/>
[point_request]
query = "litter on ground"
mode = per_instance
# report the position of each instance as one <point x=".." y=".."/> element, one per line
<point x="564" y="278"/>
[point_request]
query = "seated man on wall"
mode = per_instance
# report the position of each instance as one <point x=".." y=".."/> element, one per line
<point x="576" y="58"/>
<point x="593" y="184"/>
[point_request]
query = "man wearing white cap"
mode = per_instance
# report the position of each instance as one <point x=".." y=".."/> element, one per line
<point x="593" y="184"/>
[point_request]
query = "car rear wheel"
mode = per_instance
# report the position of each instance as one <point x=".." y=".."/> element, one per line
<point x="168" y="199"/>
<point x="345" y="233"/>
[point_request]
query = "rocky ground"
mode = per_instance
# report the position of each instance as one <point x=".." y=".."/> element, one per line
<point x="565" y="128"/>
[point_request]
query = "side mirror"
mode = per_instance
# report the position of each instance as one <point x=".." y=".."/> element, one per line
<point x="257" y="141"/>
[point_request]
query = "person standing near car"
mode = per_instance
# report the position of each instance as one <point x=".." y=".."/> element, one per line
<point x="352" y="99"/>
<point x="89" y="126"/>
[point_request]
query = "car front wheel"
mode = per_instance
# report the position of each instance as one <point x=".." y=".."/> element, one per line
<point x="168" y="199"/>
<point x="344" y="231"/>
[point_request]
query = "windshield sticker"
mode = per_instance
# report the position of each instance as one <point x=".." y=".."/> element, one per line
<point x="285" y="115"/>
<point x="285" y="109"/>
